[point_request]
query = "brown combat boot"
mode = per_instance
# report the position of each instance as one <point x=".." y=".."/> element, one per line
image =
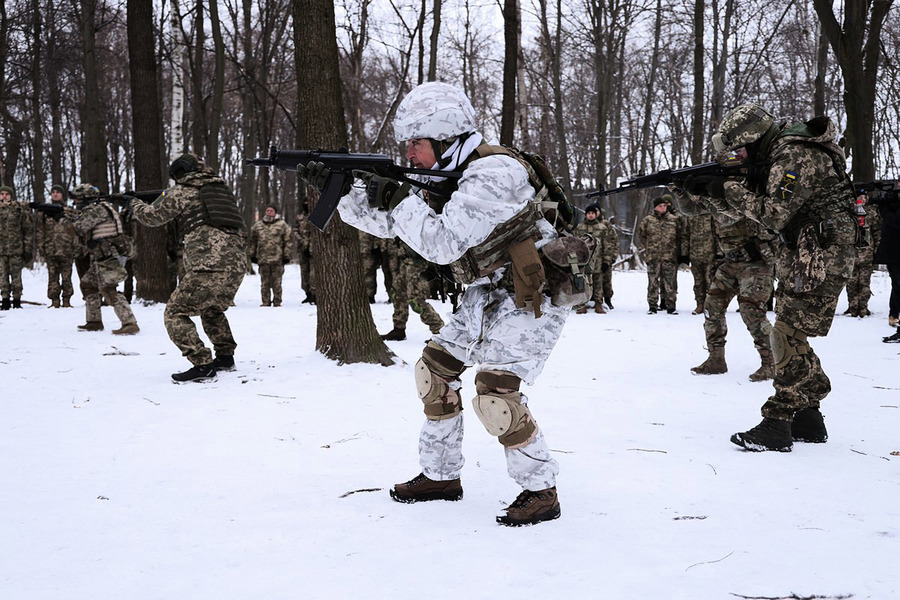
<point x="598" y="308"/>
<point x="766" y="370"/>
<point x="54" y="303"/>
<point x="91" y="326"/>
<point x="714" y="365"/>
<point x="66" y="303"/>
<point x="581" y="309"/>
<point x="698" y="310"/>
<point x="531" y="508"/>
<point x="422" y="489"/>
<point x="129" y="329"/>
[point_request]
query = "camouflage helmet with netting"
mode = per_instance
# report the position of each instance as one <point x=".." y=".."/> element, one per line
<point x="434" y="110"/>
<point x="84" y="190"/>
<point x="185" y="164"/>
<point x="741" y="127"/>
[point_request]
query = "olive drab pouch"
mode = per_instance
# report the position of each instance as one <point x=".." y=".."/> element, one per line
<point x="808" y="270"/>
<point x="566" y="261"/>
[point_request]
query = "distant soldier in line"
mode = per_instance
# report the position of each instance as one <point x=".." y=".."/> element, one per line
<point x="213" y="237"/>
<point x="129" y="226"/>
<point x="101" y="230"/>
<point x="597" y="228"/>
<point x="15" y="247"/>
<point x="700" y="247"/>
<point x="369" y="263"/>
<point x="303" y="234"/>
<point x="611" y="248"/>
<point x="270" y="248"/>
<point x="58" y="245"/>
<point x="411" y="287"/>
<point x="660" y="235"/>
<point x="858" y="286"/>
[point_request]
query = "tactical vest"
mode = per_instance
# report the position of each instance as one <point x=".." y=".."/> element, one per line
<point x="216" y="208"/>
<point x="109" y="228"/>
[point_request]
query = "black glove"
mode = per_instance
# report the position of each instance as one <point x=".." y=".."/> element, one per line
<point x="716" y="188"/>
<point x="253" y="259"/>
<point x="684" y="260"/>
<point x="383" y="193"/>
<point x="27" y="256"/>
<point x="604" y="267"/>
<point x="696" y="185"/>
<point x="285" y="260"/>
<point x="317" y="174"/>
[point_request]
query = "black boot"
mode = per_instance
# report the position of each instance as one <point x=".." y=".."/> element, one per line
<point x="395" y="335"/>
<point x="5" y="304"/>
<point x="891" y="339"/>
<point x="809" y="426"/>
<point x="223" y="362"/>
<point x="196" y="373"/>
<point x="770" y="434"/>
<point x="17" y="303"/>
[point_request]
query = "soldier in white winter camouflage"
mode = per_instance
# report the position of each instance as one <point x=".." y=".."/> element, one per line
<point x="505" y="324"/>
<point x="798" y="188"/>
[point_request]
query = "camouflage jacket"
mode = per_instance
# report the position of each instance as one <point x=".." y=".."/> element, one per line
<point x="205" y="248"/>
<point x="303" y="233"/>
<point x="54" y="239"/>
<point x="699" y="239"/>
<point x="607" y="245"/>
<point x="95" y="217"/>
<point x="804" y="188"/>
<point x="15" y="229"/>
<point x="660" y="235"/>
<point x="270" y="240"/>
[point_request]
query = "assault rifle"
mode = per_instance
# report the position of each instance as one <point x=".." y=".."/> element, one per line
<point x="342" y="163"/>
<point x="55" y="211"/>
<point x="881" y="192"/>
<point x="675" y="176"/>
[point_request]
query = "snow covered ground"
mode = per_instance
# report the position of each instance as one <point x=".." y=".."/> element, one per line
<point x="271" y="482"/>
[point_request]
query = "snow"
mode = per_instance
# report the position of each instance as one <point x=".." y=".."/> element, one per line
<point x="116" y="483"/>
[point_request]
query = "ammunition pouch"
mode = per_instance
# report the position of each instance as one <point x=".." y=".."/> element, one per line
<point x="566" y="261"/>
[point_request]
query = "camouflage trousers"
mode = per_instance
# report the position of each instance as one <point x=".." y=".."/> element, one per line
<point x="101" y="279"/>
<point x="11" y="275"/>
<point x="607" y="285"/>
<point x="752" y="283"/>
<point x="207" y="294"/>
<point x="802" y="383"/>
<point x="270" y="276"/>
<point x="858" y="290"/>
<point x="703" y="278"/>
<point x="488" y="330"/>
<point x="662" y="283"/>
<point x="59" y="277"/>
<point x="306" y="272"/>
<point x="410" y="290"/>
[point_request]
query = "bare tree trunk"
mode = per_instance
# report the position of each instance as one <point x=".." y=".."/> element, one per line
<point x="151" y="263"/>
<point x="345" y="331"/>
<point x="215" y="113"/>
<point x="176" y="117"/>
<point x="422" y="11"/>
<point x="94" y="168"/>
<point x="54" y="97"/>
<point x="522" y="113"/>
<point x="198" y="107"/>
<point x="651" y="89"/>
<point x="435" y="36"/>
<point x="37" y="148"/>
<point x="821" y="73"/>
<point x="510" y="71"/>
<point x="857" y="46"/>
<point x="553" y="47"/>
<point x="720" y="61"/>
<point x="698" y="137"/>
<point x="247" y="182"/>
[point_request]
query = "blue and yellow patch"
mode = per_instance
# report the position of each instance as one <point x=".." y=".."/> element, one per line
<point x="786" y="187"/>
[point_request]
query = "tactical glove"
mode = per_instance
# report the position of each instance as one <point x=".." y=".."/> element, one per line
<point x="716" y="187"/>
<point x="317" y="175"/>
<point x="253" y="259"/>
<point x="696" y="185"/>
<point x="383" y="193"/>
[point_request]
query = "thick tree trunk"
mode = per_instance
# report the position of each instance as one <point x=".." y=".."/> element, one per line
<point x="94" y="169"/>
<point x="176" y="116"/>
<point x="247" y="182"/>
<point x="345" y="331"/>
<point x="821" y="74"/>
<point x="510" y="71"/>
<point x="698" y="137"/>
<point x="37" y="147"/>
<point x="215" y="113"/>
<point x="151" y="263"/>
<point x="198" y="107"/>
<point x="435" y="36"/>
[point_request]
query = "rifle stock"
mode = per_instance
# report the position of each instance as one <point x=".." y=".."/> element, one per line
<point x="675" y="176"/>
<point x="341" y="165"/>
<point x="884" y="191"/>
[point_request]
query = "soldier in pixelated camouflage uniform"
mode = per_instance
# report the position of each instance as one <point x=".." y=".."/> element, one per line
<point x="700" y="248"/>
<point x="370" y="260"/>
<point x="509" y="336"/>
<point x="800" y="189"/>
<point x="303" y="230"/>
<point x="411" y="285"/>
<point x="58" y="245"/>
<point x="270" y="248"/>
<point x="603" y="258"/>
<point x="858" y="287"/>
<point x="213" y="237"/>
<point x="660" y="234"/>
<point x="100" y="228"/>
<point x="15" y="247"/>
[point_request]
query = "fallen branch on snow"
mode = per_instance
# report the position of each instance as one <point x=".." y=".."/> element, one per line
<point x="351" y="492"/>
<point x="709" y="562"/>
<point x="794" y="596"/>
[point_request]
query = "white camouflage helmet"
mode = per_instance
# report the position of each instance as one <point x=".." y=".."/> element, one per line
<point x="434" y="110"/>
<point x="742" y="126"/>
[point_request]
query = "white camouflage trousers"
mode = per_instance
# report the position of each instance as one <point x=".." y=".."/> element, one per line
<point x="489" y="331"/>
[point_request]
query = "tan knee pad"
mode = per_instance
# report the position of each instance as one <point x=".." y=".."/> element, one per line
<point x="499" y="408"/>
<point x="787" y="343"/>
<point x="434" y="373"/>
